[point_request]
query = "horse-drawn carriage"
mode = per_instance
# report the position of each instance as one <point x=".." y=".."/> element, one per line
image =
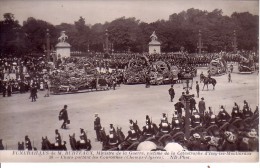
<point x="217" y="67"/>
<point x="246" y="65"/>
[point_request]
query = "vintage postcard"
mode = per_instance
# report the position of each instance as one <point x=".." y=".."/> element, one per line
<point x="129" y="81"/>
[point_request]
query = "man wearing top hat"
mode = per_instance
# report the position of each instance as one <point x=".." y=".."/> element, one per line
<point x="97" y="126"/>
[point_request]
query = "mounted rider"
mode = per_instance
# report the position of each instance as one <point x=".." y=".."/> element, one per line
<point x="164" y="126"/>
<point x="132" y="135"/>
<point x="83" y="136"/>
<point x="196" y="119"/>
<point x="135" y="126"/>
<point x="112" y="137"/>
<point x="210" y="118"/>
<point x="223" y="116"/>
<point x="246" y="110"/>
<point x="28" y="145"/>
<point x="236" y="114"/>
<point x="148" y="129"/>
<point x="176" y="121"/>
<point x="57" y="138"/>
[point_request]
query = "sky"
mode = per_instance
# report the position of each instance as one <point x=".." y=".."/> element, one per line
<point x="100" y="11"/>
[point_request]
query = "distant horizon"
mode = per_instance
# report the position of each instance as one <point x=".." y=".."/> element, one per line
<point x="94" y="12"/>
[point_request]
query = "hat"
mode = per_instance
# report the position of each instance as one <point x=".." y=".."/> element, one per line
<point x="96" y="114"/>
<point x="202" y="98"/>
<point x="111" y="125"/>
<point x="65" y="106"/>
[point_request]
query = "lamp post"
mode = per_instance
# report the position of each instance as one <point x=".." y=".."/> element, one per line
<point x="48" y="44"/>
<point x="187" y="82"/>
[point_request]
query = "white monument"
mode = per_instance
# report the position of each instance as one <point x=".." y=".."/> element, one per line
<point x="63" y="48"/>
<point x="154" y="45"/>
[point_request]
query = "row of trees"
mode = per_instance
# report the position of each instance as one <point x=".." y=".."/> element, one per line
<point x="129" y="33"/>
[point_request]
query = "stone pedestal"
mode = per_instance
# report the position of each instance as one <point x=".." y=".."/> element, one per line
<point x="63" y="49"/>
<point x="154" y="45"/>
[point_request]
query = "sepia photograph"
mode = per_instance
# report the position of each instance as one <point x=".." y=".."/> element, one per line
<point x="129" y="81"/>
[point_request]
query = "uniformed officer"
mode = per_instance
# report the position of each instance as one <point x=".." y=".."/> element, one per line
<point x="179" y="106"/>
<point x="176" y="121"/>
<point x="223" y="116"/>
<point x="148" y="129"/>
<point x="196" y="119"/>
<point x="132" y="134"/>
<point x="57" y="138"/>
<point x="28" y="145"/>
<point x="97" y="126"/>
<point x="164" y="126"/>
<point x="113" y="139"/>
<point x="192" y="103"/>
<point x="135" y="126"/>
<point x="83" y="136"/>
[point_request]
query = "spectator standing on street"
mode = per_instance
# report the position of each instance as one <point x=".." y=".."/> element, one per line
<point x="171" y="93"/>
<point x="202" y="107"/>
<point x="197" y="89"/>
<point x="64" y="116"/>
<point x="229" y="77"/>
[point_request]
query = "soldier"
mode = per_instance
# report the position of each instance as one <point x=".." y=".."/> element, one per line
<point x="135" y="126"/>
<point x="83" y="136"/>
<point x="171" y="93"/>
<point x="176" y="121"/>
<point x="28" y="145"/>
<point x="97" y="126"/>
<point x="113" y="139"/>
<point x="179" y="106"/>
<point x="196" y="119"/>
<point x="148" y="129"/>
<point x="57" y="138"/>
<point x="132" y="134"/>
<point x="64" y="115"/>
<point x="235" y="114"/>
<point x="197" y="89"/>
<point x="164" y="125"/>
<point x="210" y="118"/>
<point x="223" y="116"/>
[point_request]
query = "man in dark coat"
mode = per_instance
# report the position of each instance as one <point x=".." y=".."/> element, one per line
<point x="64" y="115"/>
<point x="171" y="93"/>
<point x="97" y="126"/>
<point x="192" y="103"/>
<point x="202" y="106"/>
<point x="197" y="89"/>
<point x="179" y="106"/>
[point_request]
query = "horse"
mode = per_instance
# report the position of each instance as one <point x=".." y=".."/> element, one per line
<point x="79" y="145"/>
<point x="1" y="145"/>
<point x="20" y="146"/>
<point x="208" y="81"/>
<point x="120" y="134"/>
<point x="46" y="145"/>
